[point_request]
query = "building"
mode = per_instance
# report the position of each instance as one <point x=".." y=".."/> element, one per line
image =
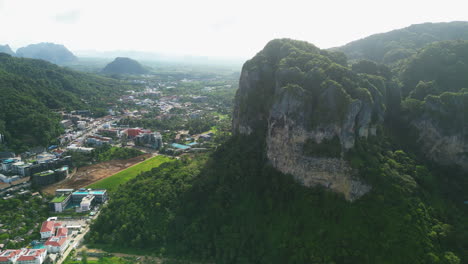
<point x="59" y="192"/>
<point x="99" y="194"/>
<point x="66" y="123"/>
<point x="79" y="149"/>
<point x="33" y="256"/>
<point x="98" y="140"/>
<point x="81" y="125"/>
<point x="11" y="255"/>
<point x="6" y="155"/>
<point x="59" y="203"/>
<point x="109" y="132"/>
<point x="152" y="140"/>
<point x="61" y="173"/>
<point x="45" y="157"/>
<point x="7" y="179"/>
<point x="86" y="202"/>
<point x="56" y="244"/>
<point x="48" y="228"/>
<point x="62" y="232"/>
<point x="48" y="177"/>
<point x="8" y="164"/>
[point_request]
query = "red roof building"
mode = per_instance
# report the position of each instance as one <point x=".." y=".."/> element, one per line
<point x="55" y="241"/>
<point x="47" y="226"/>
<point x="62" y="232"/>
<point x="36" y="256"/>
<point x="56" y="244"/>
<point x="10" y="255"/>
<point x="133" y="132"/>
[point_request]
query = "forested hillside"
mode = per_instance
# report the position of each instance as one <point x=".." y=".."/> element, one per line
<point x="353" y="181"/>
<point x="32" y="89"/>
<point x="124" y="66"/>
<point x="390" y="47"/>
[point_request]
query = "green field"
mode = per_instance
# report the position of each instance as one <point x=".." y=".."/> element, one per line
<point x="111" y="183"/>
<point x="104" y="260"/>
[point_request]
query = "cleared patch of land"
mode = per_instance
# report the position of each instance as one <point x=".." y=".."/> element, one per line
<point x="111" y="183"/>
<point x="87" y="175"/>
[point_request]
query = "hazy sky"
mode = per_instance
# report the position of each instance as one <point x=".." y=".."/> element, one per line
<point x="210" y="27"/>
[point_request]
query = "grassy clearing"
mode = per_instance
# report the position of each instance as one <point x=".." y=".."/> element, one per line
<point x="104" y="260"/>
<point x="111" y="183"/>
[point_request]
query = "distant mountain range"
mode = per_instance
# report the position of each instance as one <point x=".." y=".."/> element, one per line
<point x="50" y="52"/>
<point x="6" y="49"/>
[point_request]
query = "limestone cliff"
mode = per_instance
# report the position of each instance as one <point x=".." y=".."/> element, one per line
<point x="310" y="108"/>
<point x="442" y="128"/>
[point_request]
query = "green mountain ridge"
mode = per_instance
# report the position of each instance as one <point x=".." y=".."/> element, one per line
<point x="328" y="164"/>
<point x="32" y="89"/>
<point x="390" y="47"/>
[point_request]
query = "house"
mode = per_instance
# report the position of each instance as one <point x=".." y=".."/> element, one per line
<point x="33" y="256"/>
<point x="48" y="228"/>
<point x="56" y="244"/>
<point x="11" y="255"/>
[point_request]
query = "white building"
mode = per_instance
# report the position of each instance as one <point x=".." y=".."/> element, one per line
<point x="11" y="255"/>
<point x="56" y="244"/>
<point x="81" y="125"/>
<point x="48" y="228"/>
<point x="85" y="204"/>
<point x="33" y="256"/>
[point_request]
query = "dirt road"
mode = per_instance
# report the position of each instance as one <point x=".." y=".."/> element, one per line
<point x="87" y="175"/>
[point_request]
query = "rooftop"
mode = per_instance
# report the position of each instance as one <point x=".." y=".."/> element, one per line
<point x="31" y="254"/>
<point x="55" y="241"/>
<point x="44" y="173"/>
<point x="59" y="199"/>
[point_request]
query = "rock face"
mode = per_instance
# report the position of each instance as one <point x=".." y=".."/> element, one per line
<point x="51" y="52"/>
<point x="443" y="129"/>
<point x="310" y="110"/>
<point x="6" y="49"/>
<point x="124" y="66"/>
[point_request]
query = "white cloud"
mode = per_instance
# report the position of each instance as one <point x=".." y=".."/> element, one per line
<point x="68" y="17"/>
<point x="209" y="27"/>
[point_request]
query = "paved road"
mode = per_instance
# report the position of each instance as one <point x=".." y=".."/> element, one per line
<point x="76" y="241"/>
